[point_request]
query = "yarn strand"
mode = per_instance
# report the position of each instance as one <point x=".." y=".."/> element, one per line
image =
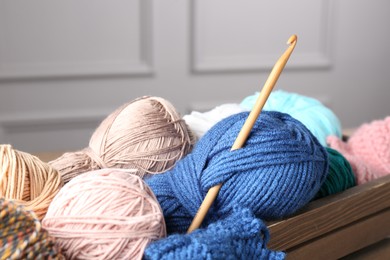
<point x="27" y="180"/>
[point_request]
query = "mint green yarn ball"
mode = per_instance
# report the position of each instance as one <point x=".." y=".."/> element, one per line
<point x="319" y="119"/>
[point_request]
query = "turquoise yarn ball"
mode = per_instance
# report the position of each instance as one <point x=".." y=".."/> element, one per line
<point x="319" y="119"/>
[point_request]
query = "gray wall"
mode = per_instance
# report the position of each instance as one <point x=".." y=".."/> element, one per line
<point x="65" y="65"/>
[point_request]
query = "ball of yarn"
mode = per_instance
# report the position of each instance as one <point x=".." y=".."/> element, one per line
<point x="239" y="236"/>
<point x="146" y="133"/>
<point x="105" y="214"/>
<point x="200" y="123"/>
<point x="319" y="119"/>
<point x="340" y="176"/>
<point x="367" y="150"/>
<point x="280" y="168"/>
<point x="22" y="236"/>
<point x="27" y="180"/>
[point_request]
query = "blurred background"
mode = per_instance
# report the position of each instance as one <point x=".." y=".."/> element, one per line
<point x="65" y="65"/>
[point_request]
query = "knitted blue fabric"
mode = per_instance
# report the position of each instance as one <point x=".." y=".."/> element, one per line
<point x="239" y="236"/>
<point x="319" y="119"/>
<point x="280" y="168"/>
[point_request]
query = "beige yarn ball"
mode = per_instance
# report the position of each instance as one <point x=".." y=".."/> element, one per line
<point x="105" y="214"/>
<point x="27" y="180"/>
<point x="147" y="134"/>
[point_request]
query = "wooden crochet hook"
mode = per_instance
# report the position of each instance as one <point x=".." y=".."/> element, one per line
<point x="246" y="128"/>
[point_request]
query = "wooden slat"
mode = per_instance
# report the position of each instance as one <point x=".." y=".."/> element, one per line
<point x="380" y="250"/>
<point x="330" y="213"/>
<point x="345" y="240"/>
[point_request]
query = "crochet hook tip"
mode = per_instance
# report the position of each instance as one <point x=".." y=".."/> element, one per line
<point x="292" y="40"/>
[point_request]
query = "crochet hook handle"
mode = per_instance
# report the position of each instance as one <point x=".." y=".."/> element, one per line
<point x="246" y="128"/>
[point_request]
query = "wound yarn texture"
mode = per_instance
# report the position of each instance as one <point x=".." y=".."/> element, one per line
<point x="22" y="235"/>
<point x="280" y="168"/>
<point x="105" y="214"/>
<point x="367" y="149"/>
<point x="340" y="176"/>
<point x="318" y="118"/>
<point x="27" y="180"/>
<point x="147" y="134"/>
<point x="238" y="236"/>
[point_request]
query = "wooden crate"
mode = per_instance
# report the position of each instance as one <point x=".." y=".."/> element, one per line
<point x="331" y="227"/>
<point x="337" y="225"/>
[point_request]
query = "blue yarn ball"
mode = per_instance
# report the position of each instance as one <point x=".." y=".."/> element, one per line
<point x="280" y="168"/>
<point x="239" y="236"/>
<point x="319" y="119"/>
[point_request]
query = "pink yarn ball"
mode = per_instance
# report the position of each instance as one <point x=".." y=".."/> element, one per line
<point x="146" y="133"/>
<point x="367" y="150"/>
<point x="105" y="214"/>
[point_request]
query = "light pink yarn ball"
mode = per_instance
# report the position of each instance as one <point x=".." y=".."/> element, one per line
<point x="105" y="214"/>
<point x="367" y="150"/>
<point x="146" y="133"/>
